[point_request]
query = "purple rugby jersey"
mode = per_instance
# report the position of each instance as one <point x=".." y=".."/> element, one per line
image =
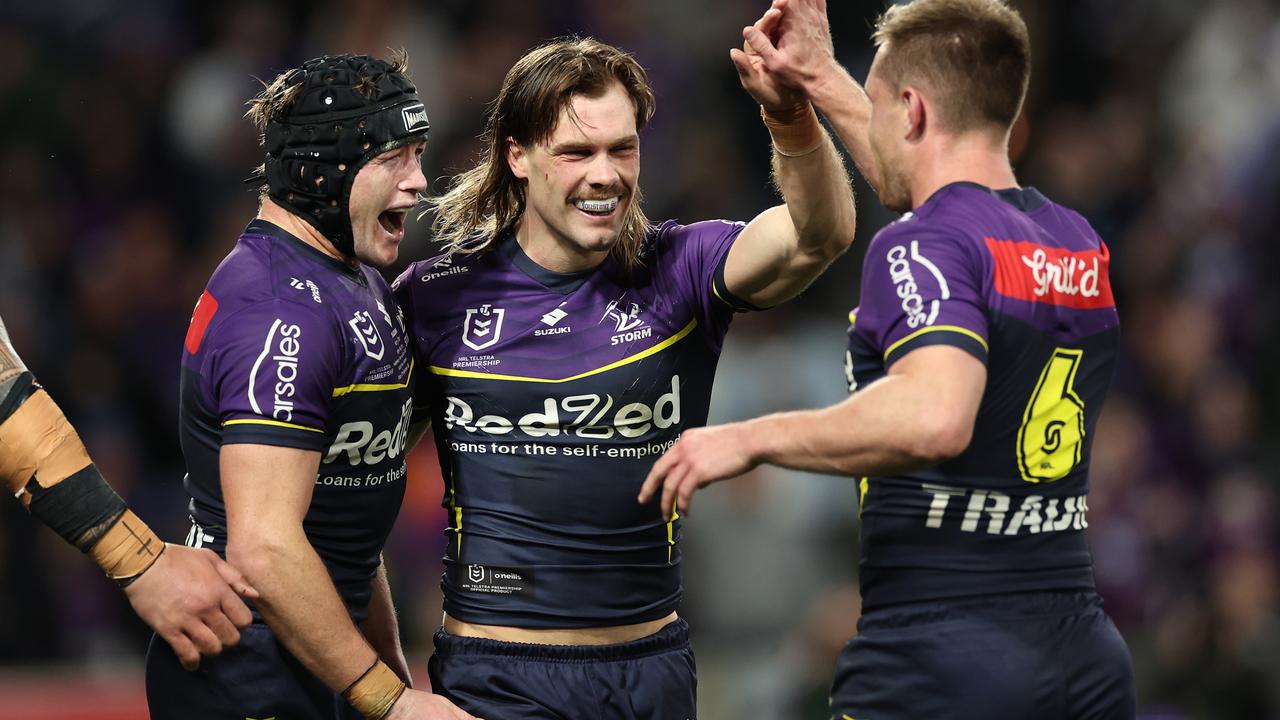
<point x="551" y="395"/>
<point x="290" y="347"/>
<point x="1021" y="283"/>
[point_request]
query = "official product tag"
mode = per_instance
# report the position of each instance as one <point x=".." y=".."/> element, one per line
<point x="494" y="580"/>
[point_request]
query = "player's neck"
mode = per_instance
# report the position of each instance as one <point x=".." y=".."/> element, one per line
<point x="551" y="252"/>
<point x="302" y="230"/>
<point x="969" y="158"/>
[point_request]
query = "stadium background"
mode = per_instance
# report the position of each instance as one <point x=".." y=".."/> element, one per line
<point x="121" y="157"/>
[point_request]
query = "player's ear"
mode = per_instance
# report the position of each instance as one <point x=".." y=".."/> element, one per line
<point x="915" y="115"/>
<point x="517" y="159"/>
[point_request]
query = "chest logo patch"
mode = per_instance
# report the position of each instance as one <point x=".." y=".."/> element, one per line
<point x="482" y="327"/>
<point x="367" y="333"/>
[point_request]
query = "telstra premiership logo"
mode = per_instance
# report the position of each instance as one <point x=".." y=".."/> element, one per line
<point x="482" y="327"/>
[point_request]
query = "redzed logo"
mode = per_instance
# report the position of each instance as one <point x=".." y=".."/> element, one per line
<point x="206" y="308"/>
<point x="1045" y="274"/>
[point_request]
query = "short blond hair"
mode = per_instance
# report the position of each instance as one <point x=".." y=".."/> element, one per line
<point x="973" y="55"/>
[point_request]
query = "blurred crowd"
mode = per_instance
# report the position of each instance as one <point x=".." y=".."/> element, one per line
<point x="121" y="164"/>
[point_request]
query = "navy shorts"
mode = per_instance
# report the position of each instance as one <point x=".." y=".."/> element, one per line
<point x="647" y="679"/>
<point x="1039" y="656"/>
<point x="258" y="678"/>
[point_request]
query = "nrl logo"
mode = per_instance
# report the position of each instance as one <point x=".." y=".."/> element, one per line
<point x="482" y="327"/>
<point x="475" y="573"/>
<point x="367" y="333"/>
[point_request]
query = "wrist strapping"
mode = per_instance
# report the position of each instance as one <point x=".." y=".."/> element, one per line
<point x="374" y="692"/>
<point x="127" y="549"/>
<point x="795" y="131"/>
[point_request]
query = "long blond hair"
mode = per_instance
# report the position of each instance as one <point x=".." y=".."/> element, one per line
<point x="485" y="200"/>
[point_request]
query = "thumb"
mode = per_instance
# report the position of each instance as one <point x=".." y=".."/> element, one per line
<point x="234" y="578"/>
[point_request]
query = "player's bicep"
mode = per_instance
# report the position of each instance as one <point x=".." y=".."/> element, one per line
<point x="759" y="256"/>
<point x="265" y="487"/>
<point x="952" y="380"/>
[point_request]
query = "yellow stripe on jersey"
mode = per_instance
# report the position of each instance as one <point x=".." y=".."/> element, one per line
<point x="853" y="317"/>
<point x="671" y="533"/>
<point x="275" y="423"/>
<point x="457" y="510"/>
<point x="374" y="387"/>
<point x="937" y="328"/>
<point x="863" y="485"/>
<point x="521" y="378"/>
<point x="720" y="297"/>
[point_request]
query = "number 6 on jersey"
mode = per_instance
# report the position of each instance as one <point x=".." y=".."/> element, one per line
<point x="1052" y="431"/>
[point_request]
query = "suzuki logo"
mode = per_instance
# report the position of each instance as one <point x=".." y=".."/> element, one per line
<point x="482" y="327"/>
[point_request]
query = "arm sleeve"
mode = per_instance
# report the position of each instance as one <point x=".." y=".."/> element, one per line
<point x="698" y="254"/>
<point x="272" y="370"/>
<point x="922" y="286"/>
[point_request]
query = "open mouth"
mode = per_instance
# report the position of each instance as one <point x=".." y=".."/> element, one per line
<point x="393" y="221"/>
<point x="599" y="208"/>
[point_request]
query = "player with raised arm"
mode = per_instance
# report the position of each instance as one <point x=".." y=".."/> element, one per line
<point x="565" y="342"/>
<point x="979" y="358"/>
<point x="296" y="383"/>
<point x="188" y="596"/>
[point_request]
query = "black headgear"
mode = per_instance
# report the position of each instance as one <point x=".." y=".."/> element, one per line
<point x="350" y="109"/>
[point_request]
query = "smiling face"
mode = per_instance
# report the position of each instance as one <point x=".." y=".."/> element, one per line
<point x="384" y="191"/>
<point x="579" y="181"/>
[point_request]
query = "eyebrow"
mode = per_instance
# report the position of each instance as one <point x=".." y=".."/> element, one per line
<point x="572" y="145"/>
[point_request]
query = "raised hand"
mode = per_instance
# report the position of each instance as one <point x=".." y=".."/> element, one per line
<point x="773" y="92"/>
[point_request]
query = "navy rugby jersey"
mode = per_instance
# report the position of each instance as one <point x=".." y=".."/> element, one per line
<point x="290" y="347"/>
<point x="1021" y="283"/>
<point x="551" y="395"/>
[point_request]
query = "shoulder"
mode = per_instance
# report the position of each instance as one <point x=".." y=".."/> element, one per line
<point x="438" y="273"/>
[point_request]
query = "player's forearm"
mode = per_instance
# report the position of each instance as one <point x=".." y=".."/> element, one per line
<point x="890" y="426"/>
<point x="816" y="188"/>
<point x="845" y="105"/>
<point x="299" y="602"/>
<point x="380" y="627"/>
<point x="45" y="465"/>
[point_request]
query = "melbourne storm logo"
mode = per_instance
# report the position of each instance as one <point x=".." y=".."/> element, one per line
<point x="627" y="325"/>
<point x="482" y="327"/>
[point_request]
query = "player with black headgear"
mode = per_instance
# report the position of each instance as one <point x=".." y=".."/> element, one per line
<point x="296" y="386"/>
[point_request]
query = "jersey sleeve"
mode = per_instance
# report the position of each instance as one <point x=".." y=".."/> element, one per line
<point x="700" y="251"/>
<point x="272" y="370"/>
<point x="402" y="289"/>
<point x="922" y="286"/>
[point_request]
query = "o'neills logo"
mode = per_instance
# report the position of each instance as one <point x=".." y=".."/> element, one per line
<point x="1041" y="273"/>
